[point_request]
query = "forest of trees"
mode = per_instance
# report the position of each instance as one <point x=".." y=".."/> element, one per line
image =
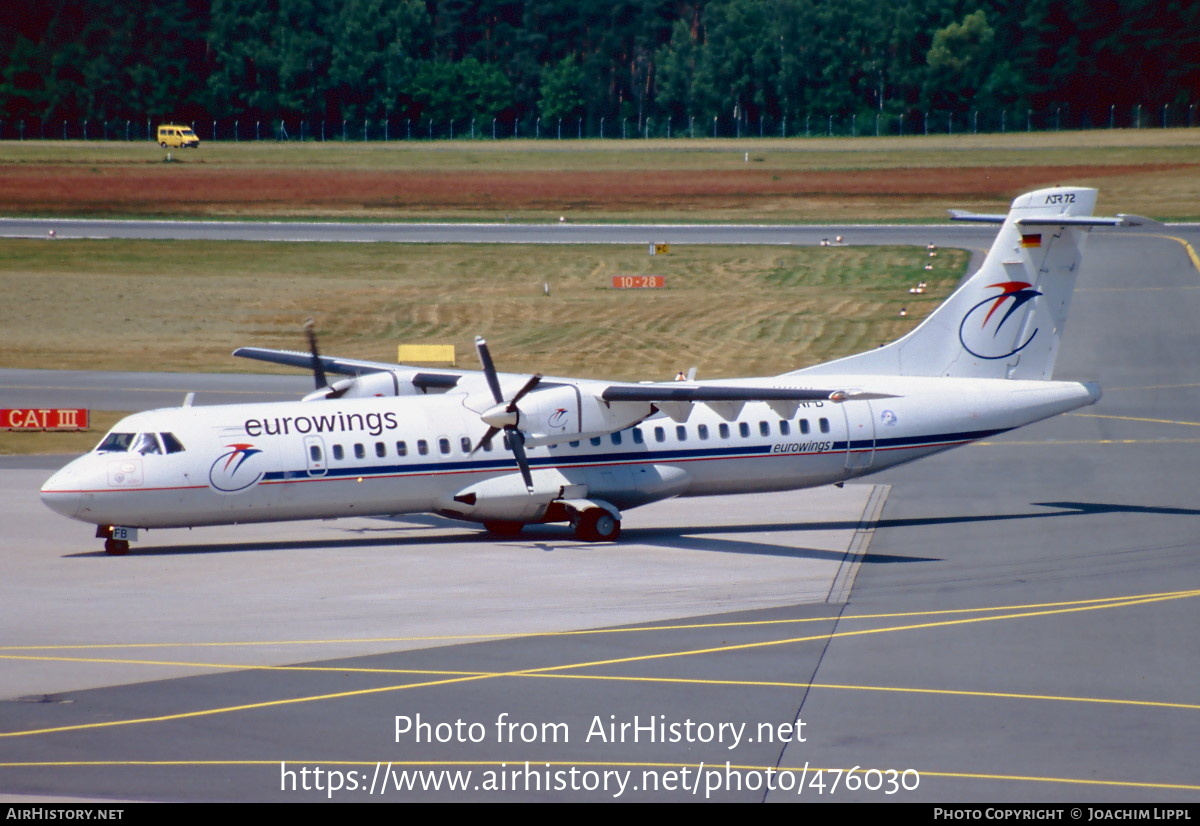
<point x="642" y="66"/>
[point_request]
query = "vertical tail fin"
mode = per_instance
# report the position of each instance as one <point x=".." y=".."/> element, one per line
<point x="1005" y="322"/>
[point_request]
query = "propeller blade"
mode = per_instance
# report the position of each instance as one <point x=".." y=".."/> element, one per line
<point x="317" y="368"/>
<point x="489" y="369"/>
<point x="517" y="442"/>
<point x="529" y="385"/>
<point x="514" y="439"/>
<point x="487" y="437"/>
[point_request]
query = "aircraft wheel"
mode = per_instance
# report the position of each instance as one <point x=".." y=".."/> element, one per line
<point x="504" y="529"/>
<point x="597" y="525"/>
<point x="116" y="547"/>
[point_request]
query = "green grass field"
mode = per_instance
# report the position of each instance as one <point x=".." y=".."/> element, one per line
<point x="1103" y="147"/>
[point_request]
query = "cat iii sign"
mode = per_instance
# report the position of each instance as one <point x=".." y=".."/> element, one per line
<point x="44" y="418"/>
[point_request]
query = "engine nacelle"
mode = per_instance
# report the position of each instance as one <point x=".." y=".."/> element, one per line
<point x="561" y="414"/>
<point x="506" y="499"/>
<point x="368" y="386"/>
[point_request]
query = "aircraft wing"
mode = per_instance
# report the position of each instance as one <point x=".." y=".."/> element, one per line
<point x="422" y="379"/>
<point x="297" y="358"/>
<point x="664" y="392"/>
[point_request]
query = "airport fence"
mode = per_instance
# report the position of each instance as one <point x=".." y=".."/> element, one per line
<point x="811" y="124"/>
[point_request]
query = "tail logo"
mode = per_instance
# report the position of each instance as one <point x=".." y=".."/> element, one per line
<point x="230" y="473"/>
<point x="982" y="326"/>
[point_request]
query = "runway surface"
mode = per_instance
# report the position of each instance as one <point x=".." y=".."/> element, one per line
<point x="1020" y="627"/>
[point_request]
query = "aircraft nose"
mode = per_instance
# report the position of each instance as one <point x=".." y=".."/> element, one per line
<point x="62" y="493"/>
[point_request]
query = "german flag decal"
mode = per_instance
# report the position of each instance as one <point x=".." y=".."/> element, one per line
<point x="1031" y="240"/>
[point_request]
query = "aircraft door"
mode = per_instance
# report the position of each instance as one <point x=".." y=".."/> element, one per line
<point x="315" y="459"/>
<point x="860" y="434"/>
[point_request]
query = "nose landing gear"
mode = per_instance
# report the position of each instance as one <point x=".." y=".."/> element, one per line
<point x="116" y="539"/>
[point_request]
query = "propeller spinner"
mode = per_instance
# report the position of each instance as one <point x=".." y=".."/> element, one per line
<point x="505" y="415"/>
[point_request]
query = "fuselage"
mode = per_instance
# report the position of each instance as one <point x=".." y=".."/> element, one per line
<point x="195" y="466"/>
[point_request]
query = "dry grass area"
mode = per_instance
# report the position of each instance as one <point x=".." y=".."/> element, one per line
<point x="1153" y="172"/>
<point x="146" y="305"/>
<point x="582" y="195"/>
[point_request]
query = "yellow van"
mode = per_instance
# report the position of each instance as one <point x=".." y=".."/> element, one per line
<point x="171" y="134"/>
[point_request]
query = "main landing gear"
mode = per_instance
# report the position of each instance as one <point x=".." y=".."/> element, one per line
<point x="591" y="525"/>
<point x="597" y="525"/>
<point x="505" y="530"/>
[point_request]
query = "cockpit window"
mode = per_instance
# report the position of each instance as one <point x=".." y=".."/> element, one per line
<point x="115" y="443"/>
<point x="146" y="443"/>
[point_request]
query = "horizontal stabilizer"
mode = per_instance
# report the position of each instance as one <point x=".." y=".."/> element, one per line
<point x="1071" y="221"/>
<point x="975" y="217"/>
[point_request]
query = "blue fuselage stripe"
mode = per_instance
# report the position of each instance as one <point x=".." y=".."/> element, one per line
<point x="648" y="456"/>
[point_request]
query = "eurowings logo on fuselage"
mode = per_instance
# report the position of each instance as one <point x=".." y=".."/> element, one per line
<point x="982" y="325"/>
<point x="230" y="473"/>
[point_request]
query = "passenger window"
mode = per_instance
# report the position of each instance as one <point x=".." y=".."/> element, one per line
<point x="401" y="448"/>
<point x="444" y="445"/>
<point x="804" y="426"/>
<point x="616" y="438"/>
<point x="703" y="431"/>
<point x="785" y="428"/>
<point x="422" y="447"/>
<point x="824" y="425"/>
<point x="360" y="452"/>
<point x="465" y="444"/>
<point x="572" y="444"/>
<point x="764" y="429"/>
<point x="338" y="453"/>
<point x="595" y="440"/>
<point x="660" y="435"/>
<point x="380" y="449"/>
<point x="744" y="429"/>
<point x="723" y="430"/>
<point x="638" y="437"/>
<point x="172" y="444"/>
<point x="681" y="433"/>
<point x="314" y="453"/>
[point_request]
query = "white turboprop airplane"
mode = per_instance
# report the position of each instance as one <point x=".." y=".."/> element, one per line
<point x="390" y="439"/>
